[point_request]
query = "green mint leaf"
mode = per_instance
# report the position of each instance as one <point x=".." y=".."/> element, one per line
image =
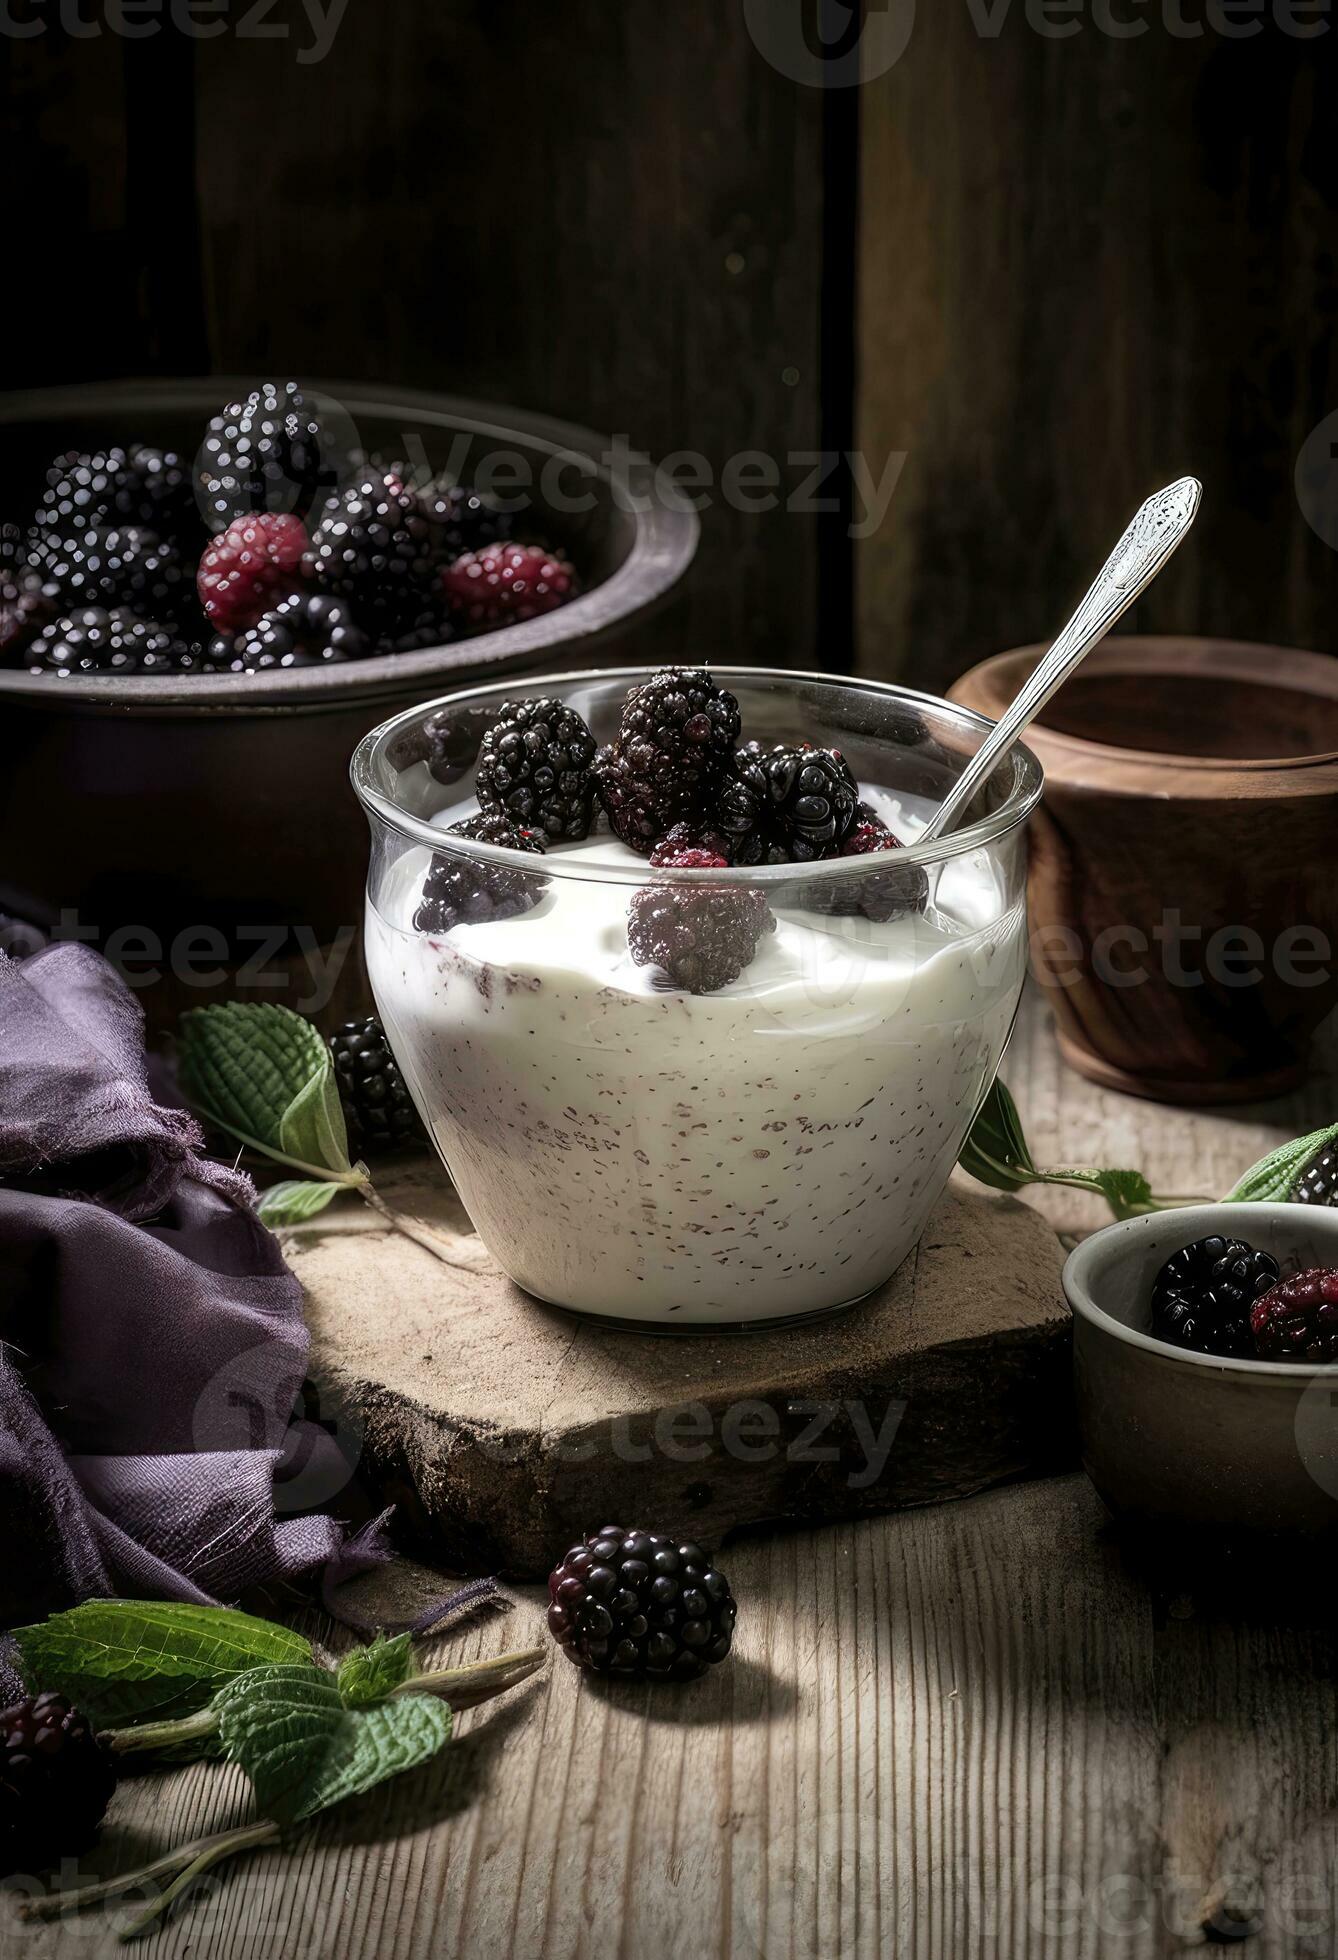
<point x="1128" y="1193"/>
<point x="1272" y="1178"/>
<point x="303" y="1749"/>
<point x="995" y="1151"/>
<point x="263" y="1073"/>
<point x="293" y="1201"/>
<point x="126" y="1661"/>
<point x="369" y="1673"/>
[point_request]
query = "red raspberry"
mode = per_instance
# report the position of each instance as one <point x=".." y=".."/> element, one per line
<point x="253" y="565"/>
<point x="503" y="582"/>
<point x="1297" y="1320"/>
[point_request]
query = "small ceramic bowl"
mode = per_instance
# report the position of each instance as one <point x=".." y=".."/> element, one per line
<point x="1176" y="1439"/>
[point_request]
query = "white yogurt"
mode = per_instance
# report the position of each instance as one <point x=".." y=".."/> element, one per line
<point x="769" y="1150"/>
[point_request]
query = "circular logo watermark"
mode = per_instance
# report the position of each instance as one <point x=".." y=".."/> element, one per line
<point x="1317" y="480"/>
<point x="830" y="43"/>
<point x="1317" y="1430"/>
<point x="251" y="1404"/>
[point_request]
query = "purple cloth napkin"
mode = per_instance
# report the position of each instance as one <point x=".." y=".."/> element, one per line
<point x="152" y="1345"/>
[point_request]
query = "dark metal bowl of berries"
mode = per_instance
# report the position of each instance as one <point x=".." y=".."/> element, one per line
<point x="210" y="588"/>
<point x="1206" y="1367"/>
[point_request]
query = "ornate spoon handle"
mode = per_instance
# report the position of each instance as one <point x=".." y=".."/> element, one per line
<point x="1136" y="560"/>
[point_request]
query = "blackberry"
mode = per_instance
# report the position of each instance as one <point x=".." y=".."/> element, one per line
<point x="250" y="567"/>
<point x="460" y="891"/>
<point x="1203" y="1295"/>
<point x="269" y="452"/>
<point x="308" y="629"/>
<point x="448" y="741"/>
<point x="503" y="583"/>
<point x="883" y="895"/>
<point x="429" y="627"/>
<point x="375" y="548"/>
<point x="1297" y="1319"/>
<point x="1317" y="1182"/>
<point x="702" y="936"/>
<point x="26" y="603"/>
<point x="128" y="566"/>
<point x="689" y="837"/>
<point x="635" y="1603"/>
<point x="378" y="1109"/>
<point x="145" y="487"/>
<point x="94" y="640"/>
<point x="535" y="767"/>
<point x="676" y="735"/>
<point x="56" y="1781"/>
<point x="786" y="805"/>
<point x="464" y="519"/>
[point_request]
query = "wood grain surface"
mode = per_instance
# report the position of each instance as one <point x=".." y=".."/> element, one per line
<point x="971" y="1732"/>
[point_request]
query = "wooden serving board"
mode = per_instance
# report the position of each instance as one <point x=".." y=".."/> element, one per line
<point x="504" y="1429"/>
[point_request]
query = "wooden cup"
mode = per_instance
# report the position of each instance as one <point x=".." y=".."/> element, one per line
<point x="1184" y="877"/>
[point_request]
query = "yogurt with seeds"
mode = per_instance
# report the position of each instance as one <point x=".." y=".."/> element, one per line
<point x="761" y="1153"/>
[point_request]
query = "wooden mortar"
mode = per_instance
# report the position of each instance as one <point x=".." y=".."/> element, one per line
<point x="1184" y="878"/>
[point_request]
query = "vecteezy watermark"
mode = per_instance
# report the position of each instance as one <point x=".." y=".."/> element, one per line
<point x="291" y="963"/>
<point x="195" y="20"/>
<point x="252" y="1404"/>
<point x="830" y="43"/>
<point x="852" y="1436"/>
<point x="1181" y="954"/>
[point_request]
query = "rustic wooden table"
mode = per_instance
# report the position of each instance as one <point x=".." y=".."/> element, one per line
<point x="969" y="1730"/>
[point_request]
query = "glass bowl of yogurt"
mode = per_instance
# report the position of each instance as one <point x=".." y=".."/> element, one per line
<point x="758" y="1153"/>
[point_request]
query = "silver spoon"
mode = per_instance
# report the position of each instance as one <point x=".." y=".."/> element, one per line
<point x="1136" y="560"/>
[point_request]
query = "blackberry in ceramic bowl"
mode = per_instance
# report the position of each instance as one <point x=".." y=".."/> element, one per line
<point x="376" y="549"/>
<point x="635" y="1603"/>
<point x="116" y="567"/>
<point x="306" y="630"/>
<point x="269" y="451"/>
<point x="1203" y="1296"/>
<point x="94" y="640"/>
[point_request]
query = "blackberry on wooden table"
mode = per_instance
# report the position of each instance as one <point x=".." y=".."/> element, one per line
<point x="378" y="1110"/>
<point x="56" y="1781"/>
<point x="535" y="768"/>
<point x="1203" y="1295"/>
<point x="635" y="1603"/>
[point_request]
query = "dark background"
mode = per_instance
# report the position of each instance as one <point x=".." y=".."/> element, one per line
<point x="1053" y="272"/>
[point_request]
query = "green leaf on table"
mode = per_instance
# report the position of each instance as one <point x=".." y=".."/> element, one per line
<point x="1272" y="1178"/>
<point x="293" y="1201"/>
<point x="264" y="1074"/>
<point x="369" y="1673"/>
<point x="304" y="1749"/>
<point x="124" y="1661"/>
<point x="995" y="1151"/>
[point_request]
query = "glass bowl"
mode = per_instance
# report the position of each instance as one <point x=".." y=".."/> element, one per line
<point x="756" y="1154"/>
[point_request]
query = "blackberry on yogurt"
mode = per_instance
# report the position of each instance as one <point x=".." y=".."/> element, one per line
<point x="461" y="891"/>
<point x="675" y="738"/>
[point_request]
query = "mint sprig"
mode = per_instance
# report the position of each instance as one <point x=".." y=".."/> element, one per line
<point x="218" y="1682"/>
<point x="996" y="1153"/>
<point x="1272" y="1178"/>
<point x="263" y="1074"/>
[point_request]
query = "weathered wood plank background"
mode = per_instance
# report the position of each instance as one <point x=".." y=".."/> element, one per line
<point x="1051" y="272"/>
